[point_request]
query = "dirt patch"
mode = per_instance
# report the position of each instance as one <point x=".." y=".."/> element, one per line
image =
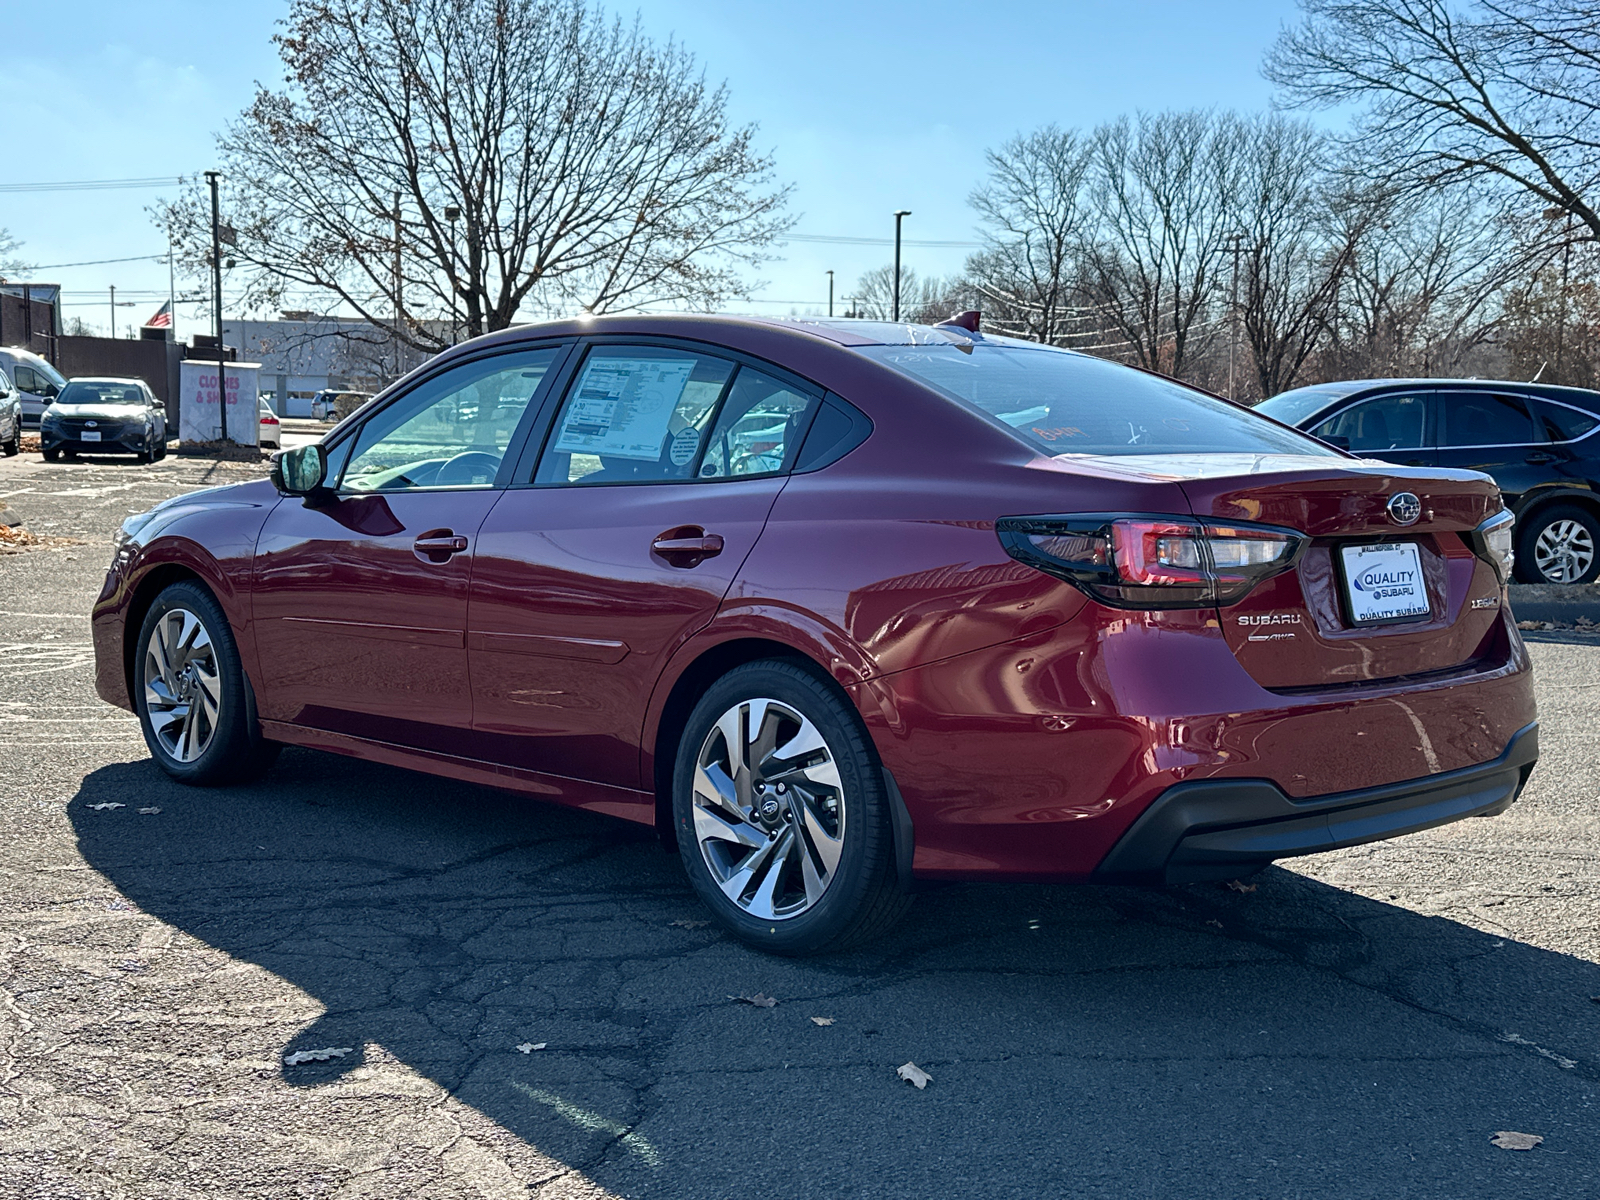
<point x="30" y="443"/>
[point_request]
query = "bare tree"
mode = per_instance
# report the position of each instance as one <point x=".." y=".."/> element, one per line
<point x="1425" y="283"/>
<point x="10" y="264"/>
<point x="591" y="168"/>
<point x="1291" y="249"/>
<point x="1033" y="212"/>
<point x="922" y="300"/>
<point x="1162" y="190"/>
<point x="1507" y="92"/>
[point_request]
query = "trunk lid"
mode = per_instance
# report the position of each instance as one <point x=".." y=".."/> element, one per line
<point x="1298" y="630"/>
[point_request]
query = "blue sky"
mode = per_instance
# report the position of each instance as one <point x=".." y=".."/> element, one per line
<point x="867" y="106"/>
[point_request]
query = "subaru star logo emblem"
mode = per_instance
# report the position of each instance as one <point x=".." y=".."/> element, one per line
<point x="1404" y="508"/>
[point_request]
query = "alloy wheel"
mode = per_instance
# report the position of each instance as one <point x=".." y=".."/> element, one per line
<point x="182" y="686"/>
<point x="769" y="809"/>
<point x="1564" y="551"/>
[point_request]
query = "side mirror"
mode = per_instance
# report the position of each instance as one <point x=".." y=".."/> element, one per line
<point x="50" y="392"/>
<point x="301" y="471"/>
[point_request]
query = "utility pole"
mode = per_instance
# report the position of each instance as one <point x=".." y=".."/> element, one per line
<point x="397" y="283"/>
<point x="900" y="215"/>
<point x="1233" y="308"/>
<point x="113" y="310"/>
<point x="216" y="303"/>
<point x="830" y="293"/>
<point x="172" y="295"/>
<point x="453" y="214"/>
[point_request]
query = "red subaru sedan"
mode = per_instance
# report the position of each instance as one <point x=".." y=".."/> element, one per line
<point x="843" y="605"/>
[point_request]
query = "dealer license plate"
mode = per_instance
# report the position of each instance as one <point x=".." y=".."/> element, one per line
<point x="1383" y="582"/>
<point x="90" y="435"/>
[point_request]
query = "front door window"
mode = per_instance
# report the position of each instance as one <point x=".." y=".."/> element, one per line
<point x="452" y="431"/>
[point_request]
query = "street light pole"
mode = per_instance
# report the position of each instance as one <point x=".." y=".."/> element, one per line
<point x="216" y="302"/>
<point x="830" y="293"/>
<point x="900" y="215"/>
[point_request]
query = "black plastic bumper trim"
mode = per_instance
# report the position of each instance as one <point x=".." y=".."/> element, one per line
<point x="1222" y="828"/>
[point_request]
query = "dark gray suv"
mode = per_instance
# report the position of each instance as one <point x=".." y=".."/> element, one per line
<point x="1538" y="441"/>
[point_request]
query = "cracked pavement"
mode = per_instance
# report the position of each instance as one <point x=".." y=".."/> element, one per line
<point x="1358" y="1026"/>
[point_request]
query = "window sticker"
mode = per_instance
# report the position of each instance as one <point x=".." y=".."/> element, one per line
<point x="623" y="406"/>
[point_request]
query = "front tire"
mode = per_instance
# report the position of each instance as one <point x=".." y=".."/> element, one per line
<point x="782" y="817"/>
<point x="1559" y="545"/>
<point x="13" y="445"/>
<point x="193" y="700"/>
<point x="51" y="455"/>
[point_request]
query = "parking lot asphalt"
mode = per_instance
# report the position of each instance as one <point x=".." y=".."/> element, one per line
<point x="533" y="1005"/>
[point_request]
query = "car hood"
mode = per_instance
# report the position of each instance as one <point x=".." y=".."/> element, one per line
<point x="109" y="412"/>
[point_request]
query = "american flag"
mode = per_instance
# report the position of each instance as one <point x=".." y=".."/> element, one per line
<point x="162" y="319"/>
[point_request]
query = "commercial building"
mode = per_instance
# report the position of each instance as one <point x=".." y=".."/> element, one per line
<point x="301" y="354"/>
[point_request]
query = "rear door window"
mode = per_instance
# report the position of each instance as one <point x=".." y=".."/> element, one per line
<point x="1392" y="422"/>
<point x="758" y="430"/>
<point x="635" y="414"/>
<point x="1564" y="424"/>
<point x="1484" y="419"/>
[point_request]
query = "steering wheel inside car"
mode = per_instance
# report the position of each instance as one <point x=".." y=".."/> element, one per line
<point x="468" y="467"/>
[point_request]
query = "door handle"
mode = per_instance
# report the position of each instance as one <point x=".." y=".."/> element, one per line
<point x="687" y="546"/>
<point x="1539" y="457"/>
<point x="437" y="545"/>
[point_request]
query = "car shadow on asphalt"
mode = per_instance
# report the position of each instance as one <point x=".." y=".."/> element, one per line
<point x="1105" y="1041"/>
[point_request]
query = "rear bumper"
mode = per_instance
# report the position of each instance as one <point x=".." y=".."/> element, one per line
<point x="1222" y="828"/>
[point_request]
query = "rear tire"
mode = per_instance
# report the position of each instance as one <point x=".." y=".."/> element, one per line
<point x="1561" y="544"/>
<point x="195" y="707"/>
<point x="793" y="854"/>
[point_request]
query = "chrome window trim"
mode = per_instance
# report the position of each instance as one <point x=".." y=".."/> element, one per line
<point x="1523" y="396"/>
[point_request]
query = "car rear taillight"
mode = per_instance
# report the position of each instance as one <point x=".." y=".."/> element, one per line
<point x="1152" y="561"/>
<point x="269" y="420"/>
<point x="1494" y="542"/>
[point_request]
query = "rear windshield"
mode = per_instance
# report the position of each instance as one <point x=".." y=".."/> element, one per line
<point x="1064" y="403"/>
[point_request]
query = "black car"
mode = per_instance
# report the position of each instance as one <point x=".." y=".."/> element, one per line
<point x="1538" y="441"/>
<point x="99" y="416"/>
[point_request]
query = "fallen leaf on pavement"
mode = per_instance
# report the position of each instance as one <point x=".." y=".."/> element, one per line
<point x="822" y="1020"/>
<point x="530" y="1047"/>
<point x="914" y="1075"/>
<point x="1217" y="924"/>
<point x="1507" y="1140"/>
<point x="101" y="807"/>
<point x="690" y="924"/>
<point x="305" y="1056"/>
<point x="148" y="812"/>
<point x="1239" y="885"/>
<point x="1533" y="624"/>
<point x="758" y="1000"/>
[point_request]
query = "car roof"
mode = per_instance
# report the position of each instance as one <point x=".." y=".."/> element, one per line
<point x="841" y="331"/>
<point x="1345" y="388"/>
<point x="117" y="379"/>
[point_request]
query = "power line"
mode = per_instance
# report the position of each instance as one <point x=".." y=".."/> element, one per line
<point x="100" y="262"/>
<point x="93" y="185"/>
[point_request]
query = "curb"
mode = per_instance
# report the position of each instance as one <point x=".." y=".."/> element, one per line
<point x="1561" y="604"/>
